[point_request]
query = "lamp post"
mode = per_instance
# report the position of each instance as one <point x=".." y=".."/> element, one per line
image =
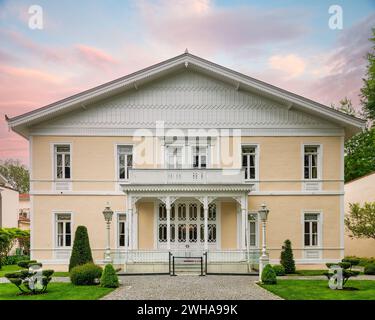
<point x="108" y="213"/>
<point x="264" y="259"/>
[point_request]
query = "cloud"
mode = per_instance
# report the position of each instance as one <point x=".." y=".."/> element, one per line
<point x="291" y="64"/>
<point x="94" y="56"/>
<point x="208" y="29"/>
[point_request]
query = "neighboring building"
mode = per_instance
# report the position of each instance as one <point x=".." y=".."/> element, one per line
<point x="24" y="211"/>
<point x="360" y="190"/>
<point x="8" y="205"/>
<point x="185" y="152"/>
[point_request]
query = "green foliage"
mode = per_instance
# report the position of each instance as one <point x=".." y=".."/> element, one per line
<point x="85" y="274"/>
<point x="370" y="269"/>
<point x="368" y="89"/>
<point x="361" y="220"/>
<point x="363" y="261"/>
<point x="26" y="263"/>
<point x="345" y="106"/>
<point x="8" y="238"/>
<point x="27" y="281"/>
<point x="279" y="270"/>
<point x="353" y="261"/>
<point x="10" y="260"/>
<point x="109" y="277"/>
<point x="16" y="174"/>
<point x="268" y="275"/>
<point x="360" y="155"/>
<point x="346" y="264"/>
<point x="287" y="259"/>
<point x="81" y="253"/>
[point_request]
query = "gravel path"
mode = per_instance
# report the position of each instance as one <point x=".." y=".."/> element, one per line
<point x="190" y="287"/>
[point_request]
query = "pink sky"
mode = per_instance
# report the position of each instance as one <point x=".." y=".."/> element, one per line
<point x="275" y="46"/>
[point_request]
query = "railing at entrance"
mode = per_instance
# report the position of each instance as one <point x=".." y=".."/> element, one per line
<point x="186" y="262"/>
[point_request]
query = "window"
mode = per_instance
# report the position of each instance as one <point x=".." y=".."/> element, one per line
<point x="311" y="229"/>
<point x="199" y="157"/>
<point x="252" y="230"/>
<point x="174" y="157"/>
<point x="248" y="161"/>
<point x="311" y="154"/>
<point x="64" y="230"/>
<point x="62" y="161"/>
<point x="125" y="161"/>
<point x="121" y="230"/>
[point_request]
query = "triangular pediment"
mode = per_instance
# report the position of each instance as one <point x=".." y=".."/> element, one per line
<point x="188" y="99"/>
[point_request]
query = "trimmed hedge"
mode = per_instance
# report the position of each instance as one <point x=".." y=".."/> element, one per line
<point x="86" y="274"/>
<point x="109" y="277"/>
<point x="370" y="269"/>
<point x="81" y="252"/>
<point x="10" y="260"/>
<point x="25" y="263"/>
<point x="279" y="270"/>
<point x="268" y="275"/>
<point x="287" y="259"/>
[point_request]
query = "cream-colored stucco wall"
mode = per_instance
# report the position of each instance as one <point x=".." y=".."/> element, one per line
<point x="94" y="169"/>
<point x="359" y="191"/>
<point x="228" y="225"/>
<point x="146" y="225"/>
<point x="9" y="208"/>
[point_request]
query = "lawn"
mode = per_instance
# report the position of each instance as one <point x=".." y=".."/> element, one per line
<point x="56" y="291"/>
<point x="318" y="290"/>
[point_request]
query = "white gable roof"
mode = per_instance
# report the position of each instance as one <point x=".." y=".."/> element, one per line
<point x="296" y="105"/>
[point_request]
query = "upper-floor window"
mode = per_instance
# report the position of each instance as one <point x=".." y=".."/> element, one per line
<point x="199" y="157"/>
<point x="62" y="161"/>
<point x="174" y="157"/>
<point x="249" y="161"/>
<point x="64" y="230"/>
<point x="125" y="161"/>
<point x="311" y="229"/>
<point x="311" y="162"/>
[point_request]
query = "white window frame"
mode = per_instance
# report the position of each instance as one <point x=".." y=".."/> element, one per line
<point x="200" y="154"/>
<point x="55" y="229"/>
<point x="319" y="213"/>
<point x="117" y="157"/>
<point x="256" y="222"/>
<point x="319" y="161"/>
<point x="126" y="237"/>
<point x="256" y="160"/>
<point x="54" y="168"/>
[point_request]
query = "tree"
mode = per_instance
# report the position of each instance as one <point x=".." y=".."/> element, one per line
<point x="8" y="238"/>
<point x="368" y="89"/>
<point x="361" y="220"/>
<point x="346" y="106"/>
<point x="16" y="174"/>
<point x="360" y="155"/>
<point x="287" y="259"/>
<point x="81" y="252"/>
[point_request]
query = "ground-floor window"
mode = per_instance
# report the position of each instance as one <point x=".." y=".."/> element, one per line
<point x="64" y="230"/>
<point x="187" y="223"/>
<point x="253" y="230"/>
<point x="311" y="229"/>
<point x="121" y="230"/>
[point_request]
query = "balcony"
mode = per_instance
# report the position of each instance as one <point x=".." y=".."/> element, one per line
<point x="186" y="176"/>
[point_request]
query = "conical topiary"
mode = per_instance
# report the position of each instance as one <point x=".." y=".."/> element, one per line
<point x="287" y="259"/>
<point x="268" y="275"/>
<point x="109" y="277"/>
<point x="81" y="253"/>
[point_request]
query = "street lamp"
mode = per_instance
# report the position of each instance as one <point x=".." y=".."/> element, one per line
<point x="263" y="260"/>
<point x="108" y="213"/>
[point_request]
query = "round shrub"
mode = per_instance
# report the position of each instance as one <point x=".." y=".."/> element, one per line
<point x="268" y="275"/>
<point x="279" y="270"/>
<point x="26" y="263"/>
<point x="109" y="277"/>
<point x="85" y="274"/>
<point x="370" y="269"/>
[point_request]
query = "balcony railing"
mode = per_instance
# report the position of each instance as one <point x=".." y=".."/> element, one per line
<point x="186" y="176"/>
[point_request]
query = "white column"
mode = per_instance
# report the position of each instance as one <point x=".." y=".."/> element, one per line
<point x="243" y="222"/>
<point x="135" y="227"/>
<point x="168" y="209"/>
<point x="130" y="227"/>
<point x="205" y="208"/>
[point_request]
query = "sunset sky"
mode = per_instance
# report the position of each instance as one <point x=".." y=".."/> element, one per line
<point x="86" y="43"/>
